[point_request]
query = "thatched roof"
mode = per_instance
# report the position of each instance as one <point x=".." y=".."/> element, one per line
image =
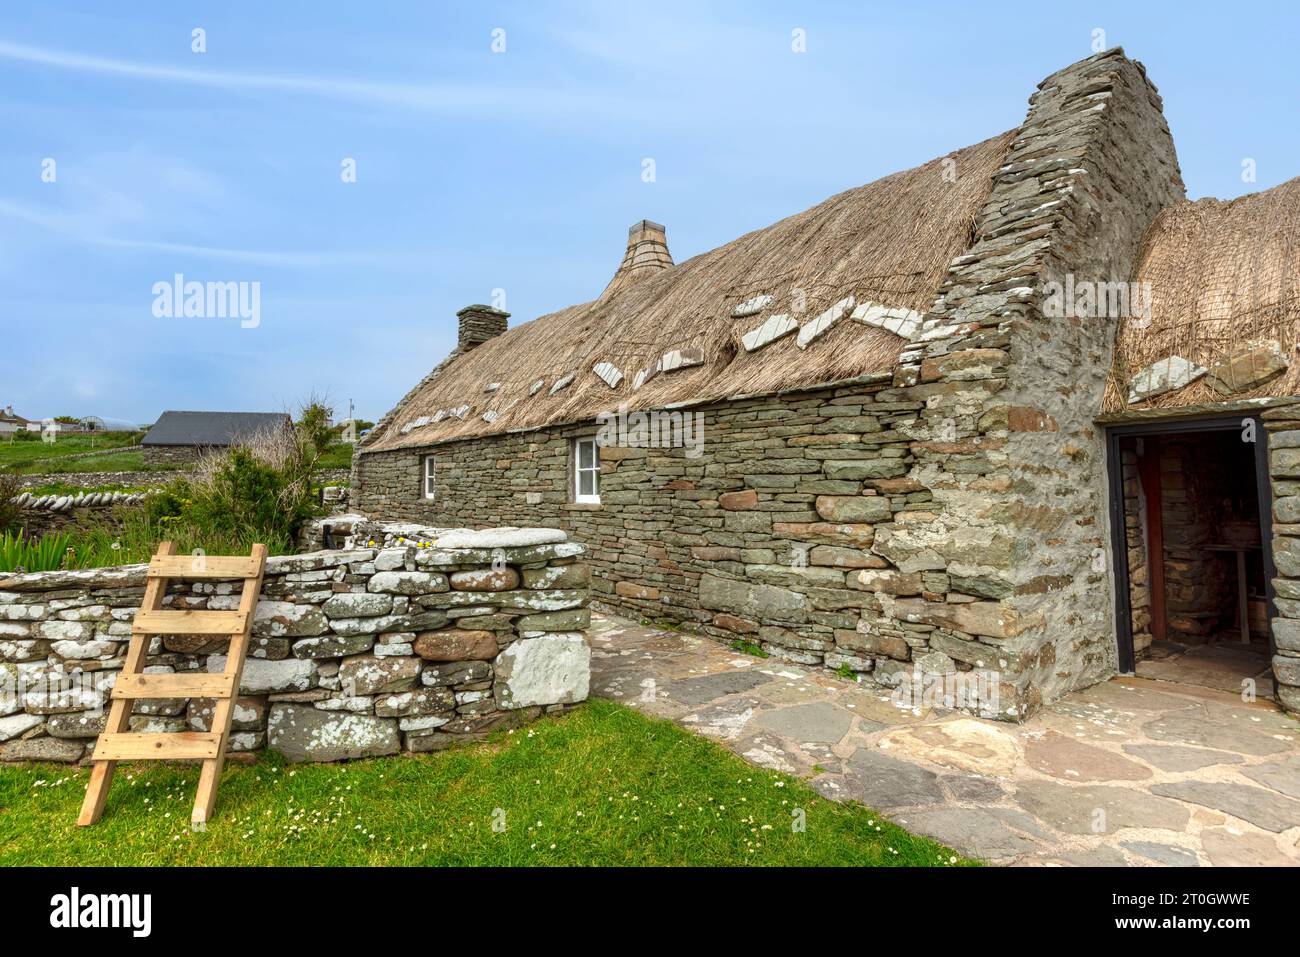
<point x="889" y="242"/>
<point x="1225" y="279"/>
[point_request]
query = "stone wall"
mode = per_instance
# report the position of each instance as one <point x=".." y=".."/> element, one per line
<point x="780" y="533"/>
<point x="93" y="480"/>
<point x="173" y="456"/>
<point x="412" y="640"/>
<point x="43" y="514"/>
<point x="1138" y="549"/>
<point x="1283" y="427"/>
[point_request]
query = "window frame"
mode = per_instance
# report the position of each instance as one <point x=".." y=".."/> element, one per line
<point x="579" y="497"/>
<point x="429" y="472"/>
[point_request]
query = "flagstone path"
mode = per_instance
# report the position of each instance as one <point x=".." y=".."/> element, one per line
<point x="1131" y="772"/>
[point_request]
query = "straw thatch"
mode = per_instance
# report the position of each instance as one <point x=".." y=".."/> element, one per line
<point x="888" y="242"/>
<point x="1221" y="274"/>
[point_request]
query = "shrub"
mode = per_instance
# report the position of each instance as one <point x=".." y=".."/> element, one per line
<point x="243" y="495"/>
<point x="11" y="512"/>
<point x="257" y="492"/>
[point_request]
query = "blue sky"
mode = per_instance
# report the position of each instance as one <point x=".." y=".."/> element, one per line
<point x="479" y="170"/>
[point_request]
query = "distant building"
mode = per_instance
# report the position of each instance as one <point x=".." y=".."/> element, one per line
<point x="97" y="423"/>
<point x="181" y="437"/>
<point x="11" y="422"/>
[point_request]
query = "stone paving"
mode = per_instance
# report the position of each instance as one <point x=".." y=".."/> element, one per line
<point x="1131" y="772"/>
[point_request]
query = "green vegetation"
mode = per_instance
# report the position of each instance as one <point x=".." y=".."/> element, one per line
<point x="749" y="648"/>
<point x="45" y="554"/>
<point x="11" y="513"/>
<point x="844" y="671"/>
<point x="117" y="462"/>
<point x="32" y="455"/>
<point x="139" y="530"/>
<point x="336" y="456"/>
<point x="603" y="785"/>
<point x="258" y="492"/>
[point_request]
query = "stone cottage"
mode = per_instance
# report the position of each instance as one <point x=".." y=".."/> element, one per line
<point x="907" y="429"/>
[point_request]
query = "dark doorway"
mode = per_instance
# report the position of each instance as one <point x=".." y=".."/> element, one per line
<point x="1190" y="504"/>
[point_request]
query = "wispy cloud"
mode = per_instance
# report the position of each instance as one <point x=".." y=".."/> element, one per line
<point x="424" y="97"/>
<point x="77" y="227"/>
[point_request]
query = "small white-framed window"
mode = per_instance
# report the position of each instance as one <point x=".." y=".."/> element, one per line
<point x="586" y="471"/>
<point x="430" y="476"/>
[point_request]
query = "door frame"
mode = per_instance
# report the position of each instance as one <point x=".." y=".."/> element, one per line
<point x="1205" y="422"/>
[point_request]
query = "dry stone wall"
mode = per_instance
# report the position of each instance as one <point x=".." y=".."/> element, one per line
<point x="173" y="456"/>
<point x="779" y="533"/>
<point x="1283" y="427"/>
<point x="412" y="640"/>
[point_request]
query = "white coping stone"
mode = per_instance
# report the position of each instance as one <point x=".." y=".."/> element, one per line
<point x="421" y="422"/>
<point x="751" y="307"/>
<point x="492" y="387"/>
<point x="823" y="324"/>
<point x="504" y="537"/>
<point x="459" y="412"/>
<point x="1163" y="376"/>
<point x="561" y="383"/>
<point x="638" y="380"/>
<point x="536" y="387"/>
<point x="899" y="321"/>
<point x="773" y="329"/>
<point x="610" y="373"/>
<point x="490" y="416"/>
<point x="439" y="415"/>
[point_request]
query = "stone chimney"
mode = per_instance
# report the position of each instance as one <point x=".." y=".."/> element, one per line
<point x="647" y="253"/>
<point x="478" y="324"/>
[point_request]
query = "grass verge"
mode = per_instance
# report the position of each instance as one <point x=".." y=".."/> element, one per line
<point x="603" y="785"/>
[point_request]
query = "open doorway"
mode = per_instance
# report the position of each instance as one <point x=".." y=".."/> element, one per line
<point x="1190" y="503"/>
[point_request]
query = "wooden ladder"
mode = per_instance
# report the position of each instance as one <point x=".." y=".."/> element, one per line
<point x="116" y="743"/>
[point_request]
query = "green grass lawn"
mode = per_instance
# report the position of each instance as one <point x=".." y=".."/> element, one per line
<point x="336" y="456"/>
<point x="603" y="785"/>
<point x="14" y="453"/>
<point x="27" y="458"/>
<point x="117" y="462"/>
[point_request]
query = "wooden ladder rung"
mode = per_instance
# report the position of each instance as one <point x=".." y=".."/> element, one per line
<point x="189" y="623"/>
<point x="203" y="566"/>
<point x="175" y="686"/>
<point x="162" y="747"/>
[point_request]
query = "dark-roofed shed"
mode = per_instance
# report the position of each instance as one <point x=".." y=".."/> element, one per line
<point x="182" y="436"/>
